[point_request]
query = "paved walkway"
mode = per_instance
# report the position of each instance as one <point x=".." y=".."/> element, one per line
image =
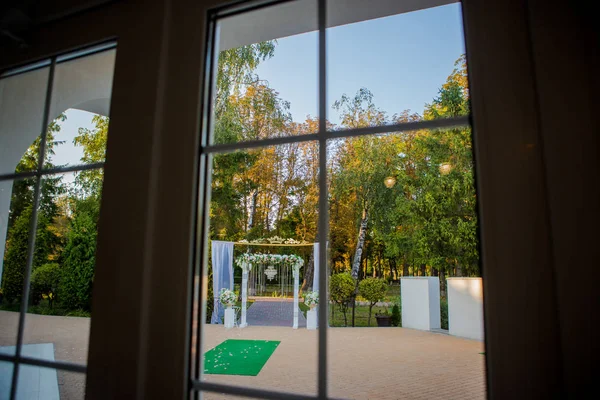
<point x="273" y="313"/>
<point x="364" y="363"/>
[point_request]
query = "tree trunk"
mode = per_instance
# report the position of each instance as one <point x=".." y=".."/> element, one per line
<point x="370" y="310"/>
<point x="360" y="244"/>
<point x="394" y="268"/>
<point x="308" y="274"/>
<point x="253" y="210"/>
<point x="458" y="269"/>
<point x="423" y="270"/>
<point x="405" y="267"/>
<point x="442" y="283"/>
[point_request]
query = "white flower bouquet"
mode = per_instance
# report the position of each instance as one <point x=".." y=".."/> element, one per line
<point x="227" y="297"/>
<point x="311" y="299"/>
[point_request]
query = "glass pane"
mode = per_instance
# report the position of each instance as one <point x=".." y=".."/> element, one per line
<point x="405" y="55"/>
<point x="16" y="202"/>
<point x="263" y="214"/>
<point x="266" y="74"/>
<point x="63" y="269"/>
<point x="22" y="100"/>
<point x="405" y="283"/>
<point x="49" y="383"/>
<point x="79" y="110"/>
<point x="6" y="373"/>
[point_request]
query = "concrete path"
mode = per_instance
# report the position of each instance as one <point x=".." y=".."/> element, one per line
<point x="274" y="313"/>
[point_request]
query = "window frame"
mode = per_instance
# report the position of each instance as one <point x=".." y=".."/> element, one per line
<point x="153" y="86"/>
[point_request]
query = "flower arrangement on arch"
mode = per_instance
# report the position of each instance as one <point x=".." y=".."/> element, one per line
<point x="227" y="297"/>
<point x="311" y="299"/>
<point x="292" y="260"/>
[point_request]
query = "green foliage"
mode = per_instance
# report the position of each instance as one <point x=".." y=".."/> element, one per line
<point x="341" y="290"/>
<point x="79" y="259"/>
<point x="45" y="281"/>
<point x="93" y="142"/>
<point x="373" y="289"/>
<point x="15" y="259"/>
<point x="444" y="313"/>
<point x="396" y="316"/>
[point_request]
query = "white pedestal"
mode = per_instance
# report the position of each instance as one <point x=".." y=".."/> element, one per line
<point x="421" y="302"/>
<point x="229" y="317"/>
<point x="465" y="307"/>
<point x="311" y="319"/>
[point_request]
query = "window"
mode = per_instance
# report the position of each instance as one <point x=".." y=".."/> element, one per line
<point x="333" y="172"/>
<point x="53" y="131"/>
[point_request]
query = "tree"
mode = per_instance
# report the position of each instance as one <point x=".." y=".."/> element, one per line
<point x="45" y="281"/>
<point x="373" y="290"/>
<point x="341" y="290"/>
<point x="93" y="142"/>
<point x="79" y="257"/>
<point x="15" y="259"/>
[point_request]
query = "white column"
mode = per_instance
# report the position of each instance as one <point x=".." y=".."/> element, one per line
<point x="296" y="288"/>
<point x="244" y="295"/>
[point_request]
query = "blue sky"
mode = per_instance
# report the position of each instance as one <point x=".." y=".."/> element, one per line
<point x="402" y="59"/>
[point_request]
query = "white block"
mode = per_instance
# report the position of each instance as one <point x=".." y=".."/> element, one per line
<point x="311" y="319"/>
<point x="465" y="307"/>
<point x="421" y="302"/>
<point x="229" y="317"/>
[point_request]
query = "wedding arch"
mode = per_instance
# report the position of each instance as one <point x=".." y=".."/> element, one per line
<point x="247" y="260"/>
<point x="253" y="266"/>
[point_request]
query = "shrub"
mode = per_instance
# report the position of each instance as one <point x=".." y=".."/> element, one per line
<point x="373" y="290"/>
<point x="341" y="290"/>
<point x="444" y="313"/>
<point x="44" y="282"/>
<point x="79" y="263"/>
<point x="16" y="253"/>
<point x="396" y="317"/>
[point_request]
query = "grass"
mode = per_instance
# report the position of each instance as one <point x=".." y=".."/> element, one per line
<point x="44" y="309"/>
<point x="361" y="316"/>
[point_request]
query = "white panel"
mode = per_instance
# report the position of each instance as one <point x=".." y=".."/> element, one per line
<point x="420" y="302"/>
<point x="465" y="307"/>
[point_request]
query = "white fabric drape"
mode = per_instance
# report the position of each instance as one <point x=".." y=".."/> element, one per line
<point x="222" y="266"/>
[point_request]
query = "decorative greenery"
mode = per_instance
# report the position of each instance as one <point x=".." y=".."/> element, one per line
<point x="341" y="290"/>
<point x="227" y="297"/>
<point x="373" y="290"/>
<point x="311" y="298"/>
<point x="247" y="259"/>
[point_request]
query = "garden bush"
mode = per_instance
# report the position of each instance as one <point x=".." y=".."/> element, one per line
<point x="45" y="281"/>
<point x="444" y="312"/>
<point x="396" y="316"/>
<point x="16" y="253"/>
<point x="79" y="263"/>
<point x="341" y="290"/>
<point x="373" y="290"/>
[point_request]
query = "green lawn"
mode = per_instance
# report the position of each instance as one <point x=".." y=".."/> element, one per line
<point x="361" y="317"/>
